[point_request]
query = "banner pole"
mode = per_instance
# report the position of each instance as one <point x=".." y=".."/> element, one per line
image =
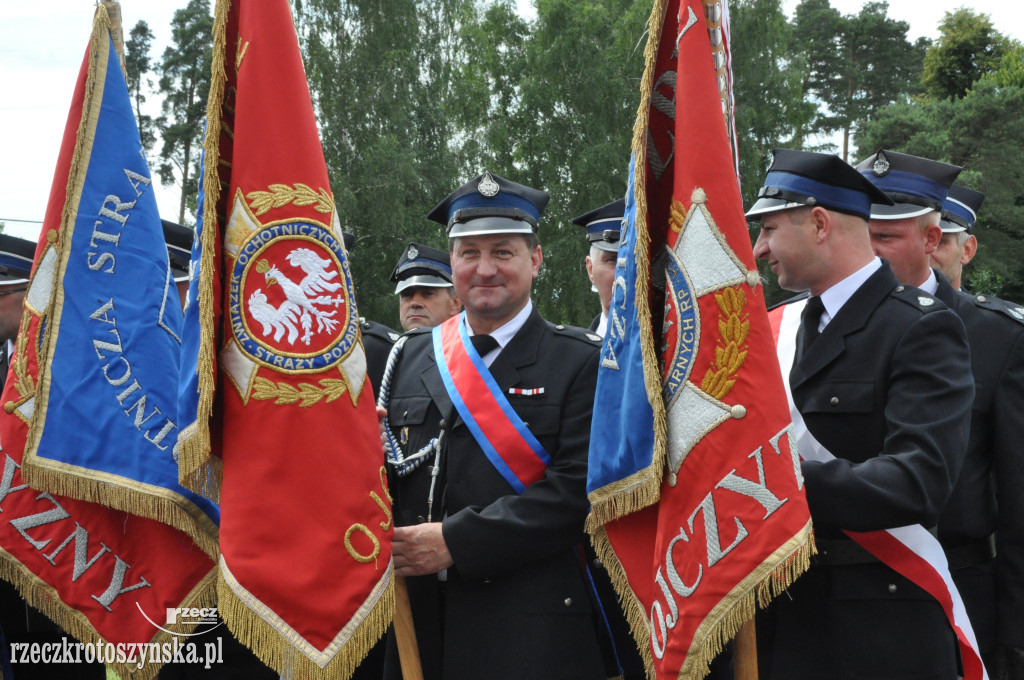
<point x="745" y="652"/>
<point x="405" y="634"/>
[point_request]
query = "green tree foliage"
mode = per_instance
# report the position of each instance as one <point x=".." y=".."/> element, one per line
<point x="1010" y="71"/>
<point x="416" y="96"/>
<point x="768" y="88"/>
<point x="571" y="133"/>
<point x="968" y="47"/>
<point x="855" y="64"/>
<point x="385" y="79"/>
<point x="984" y="132"/>
<point x="138" y="66"/>
<point x="184" y="84"/>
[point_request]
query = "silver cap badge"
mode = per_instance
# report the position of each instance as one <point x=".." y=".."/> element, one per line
<point x="487" y="186"/>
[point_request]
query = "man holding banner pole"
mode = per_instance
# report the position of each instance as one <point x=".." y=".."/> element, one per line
<point x="880" y="392"/>
<point x="487" y="448"/>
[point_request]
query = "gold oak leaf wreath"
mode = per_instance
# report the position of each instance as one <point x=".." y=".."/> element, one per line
<point x="731" y="352"/>
<point x="305" y="395"/>
<point x="280" y="195"/>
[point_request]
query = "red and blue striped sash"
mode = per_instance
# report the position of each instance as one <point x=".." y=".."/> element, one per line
<point x="505" y="439"/>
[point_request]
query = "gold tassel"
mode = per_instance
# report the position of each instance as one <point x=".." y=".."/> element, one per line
<point x="277" y="651"/>
<point x="199" y="469"/>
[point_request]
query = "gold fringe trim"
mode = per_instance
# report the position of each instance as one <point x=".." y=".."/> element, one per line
<point x="274" y="648"/>
<point x="53" y="476"/>
<point x="99" y="42"/>
<point x="44" y="597"/>
<point x="631" y="606"/>
<point x="198" y="468"/>
<point x="145" y="503"/>
<point x="770" y="579"/>
<point x="645" y="486"/>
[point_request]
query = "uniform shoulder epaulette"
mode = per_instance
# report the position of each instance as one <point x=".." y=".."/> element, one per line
<point x="917" y="298"/>
<point x="796" y="298"/>
<point x="576" y="332"/>
<point x="994" y="304"/>
<point x="378" y="329"/>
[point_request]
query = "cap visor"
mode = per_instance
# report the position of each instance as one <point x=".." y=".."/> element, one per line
<point x="606" y="246"/>
<point x="770" y="205"/>
<point x="951" y="227"/>
<point x="897" y="212"/>
<point x="423" y="282"/>
<point x="482" y="226"/>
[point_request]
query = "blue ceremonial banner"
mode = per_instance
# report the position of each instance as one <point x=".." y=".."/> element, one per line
<point x="622" y="437"/>
<point x="104" y="424"/>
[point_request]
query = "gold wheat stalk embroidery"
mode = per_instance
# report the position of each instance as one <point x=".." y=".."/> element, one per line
<point x="731" y="352"/>
<point x="280" y="195"/>
<point x="305" y="394"/>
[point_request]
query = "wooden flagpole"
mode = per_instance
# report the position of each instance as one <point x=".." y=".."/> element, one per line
<point x="405" y="634"/>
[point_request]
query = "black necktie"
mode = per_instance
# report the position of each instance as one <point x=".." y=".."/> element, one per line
<point x="809" y="320"/>
<point x="483" y="344"/>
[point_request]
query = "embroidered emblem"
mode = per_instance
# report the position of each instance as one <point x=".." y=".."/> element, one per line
<point x="925" y="301"/>
<point x="526" y="392"/>
<point x="298" y="305"/>
<point x="290" y="301"/>
<point x="413" y="253"/>
<point x="487" y="186"/>
<point x="703" y="276"/>
<point x="394" y="336"/>
<point x="881" y="166"/>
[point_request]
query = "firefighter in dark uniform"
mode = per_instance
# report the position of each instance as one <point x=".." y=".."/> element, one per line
<point x="492" y="555"/>
<point x="423" y="284"/>
<point x="881" y="378"/>
<point x="377" y="338"/>
<point x="982" y="527"/>
<point x="603" y="227"/>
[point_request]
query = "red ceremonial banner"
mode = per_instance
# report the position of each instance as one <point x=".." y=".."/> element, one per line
<point x="103" y="575"/>
<point x="286" y="431"/>
<point x="723" y="524"/>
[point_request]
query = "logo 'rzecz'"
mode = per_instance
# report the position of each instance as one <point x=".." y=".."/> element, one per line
<point x="290" y="301"/>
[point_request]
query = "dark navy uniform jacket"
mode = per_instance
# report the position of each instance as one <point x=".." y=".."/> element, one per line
<point x="515" y="604"/>
<point x="887" y="389"/>
<point x="988" y="496"/>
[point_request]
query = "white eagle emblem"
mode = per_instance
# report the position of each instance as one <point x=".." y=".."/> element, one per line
<point x="302" y="298"/>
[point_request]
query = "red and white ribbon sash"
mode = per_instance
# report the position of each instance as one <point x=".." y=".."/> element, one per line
<point x="911" y="551"/>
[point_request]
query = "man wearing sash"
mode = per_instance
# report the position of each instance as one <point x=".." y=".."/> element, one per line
<point x="603" y="227"/>
<point x="982" y="527"/>
<point x="880" y="386"/>
<point x="488" y="427"/>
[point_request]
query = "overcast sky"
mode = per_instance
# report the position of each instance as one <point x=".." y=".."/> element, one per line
<point x="42" y="43"/>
